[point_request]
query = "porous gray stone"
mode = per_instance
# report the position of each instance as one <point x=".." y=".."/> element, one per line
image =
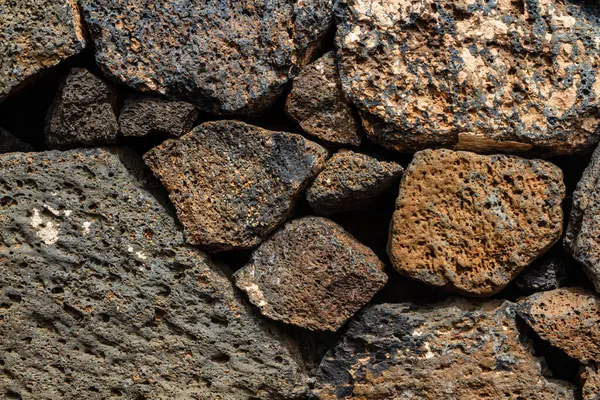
<point x="83" y="112"/>
<point x="228" y="57"/>
<point x="549" y="274"/>
<point x="34" y="36"/>
<point x="146" y="115"/>
<point x="9" y="143"/>
<point x="101" y="298"/>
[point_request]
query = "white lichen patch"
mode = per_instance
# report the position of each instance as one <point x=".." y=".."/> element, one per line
<point x="140" y="255"/>
<point x="86" y="227"/>
<point x="429" y="353"/>
<point x="48" y="231"/>
<point x="255" y="293"/>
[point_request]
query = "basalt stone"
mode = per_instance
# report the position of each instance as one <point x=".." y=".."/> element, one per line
<point x="477" y="75"/>
<point x="568" y="318"/>
<point x="317" y="103"/>
<point x="453" y="350"/>
<point x="83" y="112"/>
<point x="228" y="57"/>
<point x="591" y="382"/>
<point x="100" y="297"/>
<point x="548" y="275"/>
<point x="311" y="273"/>
<point x="351" y="181"/>
<point x="9" y="143"/>
<point x="36" y="35"/>
<point x="145" y="115"/>
<point x="471" y="223"/>
<point x="233" y="183"/>
<point x="582" y="238"/>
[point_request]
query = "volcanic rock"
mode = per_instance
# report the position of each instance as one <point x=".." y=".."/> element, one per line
<point x="582" y="238"/>
<point x="351" y="181"/>
<point x="317" y="103"/>
<point x="591" y="379"/>
<point x="225" y="57"/>
<point x="233" y="183"/>
<point x="481" y="76"/>
<point x="145" y="115"/>
<point x="454" y="350"/>
<point x="568" y="318"/>
<point x="471" y="223"/>
<point x="9" y="143"/>
<point x="82" y="112"/>
<point x="34" y="36"/>
<point x="311" y="273"/>
<point x="101" y="297"/>
<point x="547" y="275"/>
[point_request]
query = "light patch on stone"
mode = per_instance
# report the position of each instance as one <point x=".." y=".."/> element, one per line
<point x="140" y="255"/>
<point x="86" y="227"/>
<point x="429" y="353"/>
<point x="68" y="213"/>
<point x="48" y="232"/>
<point x="254" y="291"/>
<point x="36" y="219"/>
<point x="52" y="210"/>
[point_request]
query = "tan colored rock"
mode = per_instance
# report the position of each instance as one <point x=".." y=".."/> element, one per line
<point x="351" y="181"/>
<point x="449" y="351"/>
<point x="318" y="104"/>
<point x="483" y="76"/>
<point x="233" y="184"/>
<point x="470" y="223"/>
<point x="34" y="36"/>
<point x="568" y="318"/>
<point x="591" y="383"/>
<point x="313" y="274"/>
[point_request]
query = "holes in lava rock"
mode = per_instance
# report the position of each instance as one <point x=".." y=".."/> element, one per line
<point x="220" y="358"/>
<point x="73" y="312"/>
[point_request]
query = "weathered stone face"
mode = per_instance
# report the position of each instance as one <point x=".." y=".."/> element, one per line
<point x="568" y="318"/>
<point x="582" y="238"/>
<point x="233" y="183"/>
<point x="100" y="297"/>
<point x="470" y="223"/>
<point x="351" y="181"/>
<point x="455" y="350"/>
<point x="548" y="275"/>
<point x="317" y="103"/>
<point x="83" y="112"/>
<point x="227" y="57"/>
<point x="478" y="75"/>
<point x="313" y="274"/>
<point x="145" y="115"/>
<point x="9" y="143"/>
<point x="34" y="36"/>
<point x="591" y="379"/>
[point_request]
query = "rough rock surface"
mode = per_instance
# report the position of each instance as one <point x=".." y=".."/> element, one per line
<point x="83" y="112"/>
<point x="9" y="143"/>
<point x="582" y="238"/>
<point x="233" y="183"/>
<point x="591" y="386"/>
<point x="226" y="57"/>
<point x="568" y="318"/>
<point x="36" y="35"/>
<point x="480" y="75"/>
<point x="317" y="103"/>
<point x="351" y="181"/>
<point x="313" y="274"/>
<point x="145" y="115"/>
<point x="100" y="297"/>
<point x="548" y="275"/>
<point x="471" y="223"/>
<point x="456" y="350"/>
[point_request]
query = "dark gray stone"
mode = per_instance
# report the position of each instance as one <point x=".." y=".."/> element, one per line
<point x="101" y="298"/>
<point x="145" y="115"/>
<point x="9" y="143"/>
<point x="83" y="112"/>
<point x="546" y="275"/>
<point x="226" y="57"/>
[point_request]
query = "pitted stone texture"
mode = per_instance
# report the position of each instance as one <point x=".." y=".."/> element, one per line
<point x="233" y="183"/>
<point x="351" y="181"/>
<point x="317" y="103"/>
<point x="313" y="274"/>
<point x="568" y="318"/>
<point x="548" y="275"/>
<point x="591" y="382"/>
<point x="471" y="223"/>
<point x="454" y="350"/>
<point x="479" y="75"/>
<point x="145" y="115"/>
<point x="582" y="238"/>
<point x="9" y="143"/>
<point x="34" y="36"/>
<point x="229" y="57"/>
<point x="101" y="298"/>
<point x="83" y="112"/>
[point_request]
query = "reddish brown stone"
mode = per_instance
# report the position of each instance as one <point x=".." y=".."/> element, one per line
<point x="591" y="382"/>
<point x="313" y="274"/>
<point x="471" y="223"/>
